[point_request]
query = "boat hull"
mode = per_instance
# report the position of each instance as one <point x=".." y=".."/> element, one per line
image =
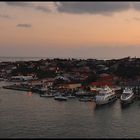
<point x="71" y="97"/>
<point x="85" y="100"/>
<point x="48" y="96"/>
<point x="128" y="101"/>
<point x="60" y="99"/>
<point x="109" y="100"/>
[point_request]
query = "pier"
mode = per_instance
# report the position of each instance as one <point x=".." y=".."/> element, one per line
<point x="14" y="87"/>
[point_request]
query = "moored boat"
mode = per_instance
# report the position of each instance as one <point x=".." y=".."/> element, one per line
<point x="82" y="93"/>
<point x="71" y="96"/>
<point x="60" y="98"/>
<point x="86" y="99"/>
<point x="46" y="95"/>
<point x="127" y="96"/>
<point x="105" y="95"/>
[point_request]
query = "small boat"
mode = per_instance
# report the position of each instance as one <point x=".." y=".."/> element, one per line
<point x="1" y="79"/>
<point x="86" y="99"/>
<point x="82" y="93"/>
<point x="42" y="90"/>
<point x="60" y="98"/>
<point x="106" y="95"/>
<point x="46" y="95"/>
<point x="57" y="94"/>
<point x="127" y="96"/>
<point x="71" y="96"/>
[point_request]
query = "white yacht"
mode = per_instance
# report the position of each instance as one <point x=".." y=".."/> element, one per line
<point x="105" y="96"/>
<point x="127" y="95"/>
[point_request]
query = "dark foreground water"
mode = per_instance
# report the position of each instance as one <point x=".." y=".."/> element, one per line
<point x="25" y="115"/>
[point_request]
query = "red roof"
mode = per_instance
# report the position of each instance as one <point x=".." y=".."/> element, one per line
<point x="101" y="83"/>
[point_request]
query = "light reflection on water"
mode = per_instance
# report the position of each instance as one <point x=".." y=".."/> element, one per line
<point x="27" y="115"/>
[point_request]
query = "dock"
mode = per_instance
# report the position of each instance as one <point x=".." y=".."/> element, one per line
<point x="20" y="88"/>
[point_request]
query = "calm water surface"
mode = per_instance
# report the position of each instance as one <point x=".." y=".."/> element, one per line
<point x="26" y="115"/>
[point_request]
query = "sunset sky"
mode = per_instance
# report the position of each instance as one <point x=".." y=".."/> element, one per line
<point x="70" y="29"/>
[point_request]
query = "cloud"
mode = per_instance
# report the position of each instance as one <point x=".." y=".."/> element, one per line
<point x="102" y="8"/>
<point x="21" y="4"/>
<point x="135" y="5"/>
<point x="92" y="7"/>
<point x="45" y="7"/>
<point x="42" y="8"/>
<point x="24" y="25"/>
<point x="136" y="18"/>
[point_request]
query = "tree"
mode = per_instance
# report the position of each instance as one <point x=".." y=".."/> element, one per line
<point x="92" y="77"/>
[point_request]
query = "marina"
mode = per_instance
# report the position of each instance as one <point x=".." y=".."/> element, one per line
<point x="36" y="115"/>
<point x="105" y="94"/>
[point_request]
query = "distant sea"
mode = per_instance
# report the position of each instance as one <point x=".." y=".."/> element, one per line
<point x="13" y="59"/>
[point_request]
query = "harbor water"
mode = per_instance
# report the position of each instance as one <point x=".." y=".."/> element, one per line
<point x="27" y="115"/>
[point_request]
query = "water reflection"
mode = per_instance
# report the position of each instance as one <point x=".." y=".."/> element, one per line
<point x="91" y="105"/>
<point x="29" y="94"/>
<point x="127" y="106"/>
<point x="105" y="106"/>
